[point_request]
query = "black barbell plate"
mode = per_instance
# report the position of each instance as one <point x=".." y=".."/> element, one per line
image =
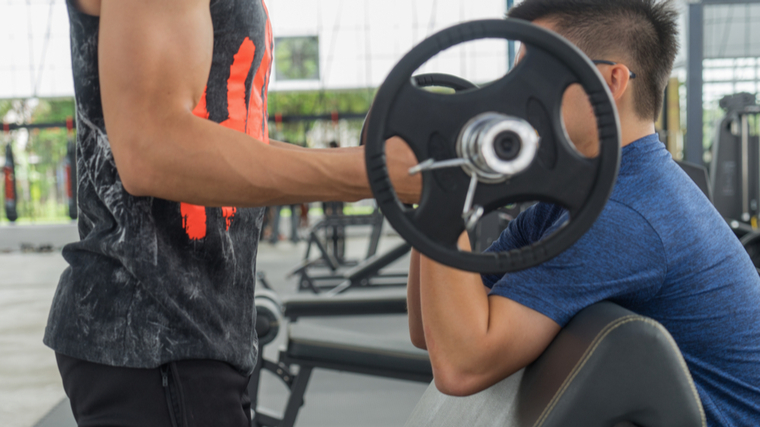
<point x="420" y="117"/>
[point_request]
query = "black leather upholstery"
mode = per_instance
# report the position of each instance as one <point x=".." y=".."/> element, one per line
<point x="608" y="367"/>
<point x="374" y="302"/>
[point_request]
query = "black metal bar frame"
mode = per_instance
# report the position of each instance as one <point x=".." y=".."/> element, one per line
<point x="50" y="125"/>
<point x="360" y="272"/>
<point x="364" y="274"/>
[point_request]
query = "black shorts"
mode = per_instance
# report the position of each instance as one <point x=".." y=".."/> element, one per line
<point x="192" y="393"/>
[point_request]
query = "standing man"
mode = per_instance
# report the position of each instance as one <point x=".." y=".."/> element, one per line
<point x="152" y="323"/>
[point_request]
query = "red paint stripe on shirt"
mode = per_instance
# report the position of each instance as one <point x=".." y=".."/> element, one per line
<point x="194" y="220"/>
<point x="194" y="217"/>
<point x="229" y="215"/>
<point x="236" y="108"/>
<point x="257" y="108"/>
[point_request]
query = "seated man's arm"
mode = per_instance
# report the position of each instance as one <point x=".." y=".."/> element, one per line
<point x="475" y="340"/>
<point x="154" y="62"/>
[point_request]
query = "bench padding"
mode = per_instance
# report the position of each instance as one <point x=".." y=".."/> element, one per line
<point x="375" y="302"/>
<point x="608" y="367"/>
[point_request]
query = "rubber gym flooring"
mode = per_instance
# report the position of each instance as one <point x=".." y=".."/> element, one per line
<point x="30" y="388"/>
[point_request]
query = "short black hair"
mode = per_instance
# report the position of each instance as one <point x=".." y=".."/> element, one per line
<point x="642" y="32"/>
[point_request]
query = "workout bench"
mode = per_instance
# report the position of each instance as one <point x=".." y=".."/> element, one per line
<point x="607" y="367"/>
<point x="310" y="346"/>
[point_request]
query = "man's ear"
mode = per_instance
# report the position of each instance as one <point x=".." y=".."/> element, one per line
<point x="618" y="78"/>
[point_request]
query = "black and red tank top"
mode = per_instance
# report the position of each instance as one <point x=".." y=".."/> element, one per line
<point x="151" y="280"/>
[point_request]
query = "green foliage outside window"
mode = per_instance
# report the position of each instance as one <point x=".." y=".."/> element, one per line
<point x="314" y="103"/>
<point x="296" y="58"/>
<point x="40" y="187"/>
<point x="41" y="197"/>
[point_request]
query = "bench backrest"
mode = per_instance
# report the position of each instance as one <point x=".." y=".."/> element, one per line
<point x="608" y="367"/>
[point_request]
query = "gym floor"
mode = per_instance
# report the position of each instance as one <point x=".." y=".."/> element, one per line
<point x="30" y="386"/>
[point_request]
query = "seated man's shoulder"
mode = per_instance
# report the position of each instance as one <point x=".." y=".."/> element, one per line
<point x="624" y="228"/>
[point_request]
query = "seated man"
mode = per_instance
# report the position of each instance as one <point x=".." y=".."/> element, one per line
<point x="659" y="248"/>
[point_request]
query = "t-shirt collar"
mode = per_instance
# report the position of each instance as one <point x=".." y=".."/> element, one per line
<point x="633" y="151"/>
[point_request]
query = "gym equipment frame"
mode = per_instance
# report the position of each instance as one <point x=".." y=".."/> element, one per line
<point x="608" y="366"/>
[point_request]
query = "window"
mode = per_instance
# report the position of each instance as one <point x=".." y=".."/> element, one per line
<point x="296" y="58"/>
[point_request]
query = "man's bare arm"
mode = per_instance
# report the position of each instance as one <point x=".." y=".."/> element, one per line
<point x="475" y="340"/>
<point x="154" y="60"/>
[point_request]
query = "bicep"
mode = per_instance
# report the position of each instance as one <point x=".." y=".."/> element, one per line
<point x="154" y="60"/>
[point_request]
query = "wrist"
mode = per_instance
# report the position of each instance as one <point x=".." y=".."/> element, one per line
<point x="358" y="176"/>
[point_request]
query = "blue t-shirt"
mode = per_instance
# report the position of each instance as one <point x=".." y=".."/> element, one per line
<point x="659" y="249"/>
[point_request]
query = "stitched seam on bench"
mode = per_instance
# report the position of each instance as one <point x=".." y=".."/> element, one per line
<point x="586" y="356"/>
<point x="685" y="367"/>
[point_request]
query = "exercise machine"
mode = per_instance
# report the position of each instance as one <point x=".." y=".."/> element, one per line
<point x="735" y="169"/>
<point x="607" y="367"/>
<point x="323" y="238"/>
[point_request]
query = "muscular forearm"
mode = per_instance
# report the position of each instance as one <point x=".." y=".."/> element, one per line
<point x="197" y="161"/>
<point x="416" y="332"/>
<point x="455" y="317"/>
<point x="475" y="340"/>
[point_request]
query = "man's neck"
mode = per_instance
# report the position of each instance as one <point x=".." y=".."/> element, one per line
<point x="635" y="131"/>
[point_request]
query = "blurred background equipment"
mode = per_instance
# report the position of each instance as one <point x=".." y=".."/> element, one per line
<point x="70" y="170"/>
<point x="41" y="134"/>
<point x="9" y="175"/>
<point x="736" y="159"/>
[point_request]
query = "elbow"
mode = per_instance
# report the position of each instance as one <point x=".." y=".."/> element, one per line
<point x="134" y="169"/>
<point x="457" y="383"/>
<point x="460" y="380"/>
<point x="132" y="185"/>
<point x="452" y="384"/>
<point x="134" y="182"/>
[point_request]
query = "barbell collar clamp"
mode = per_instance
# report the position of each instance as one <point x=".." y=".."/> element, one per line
<point x="497" y="146"/>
